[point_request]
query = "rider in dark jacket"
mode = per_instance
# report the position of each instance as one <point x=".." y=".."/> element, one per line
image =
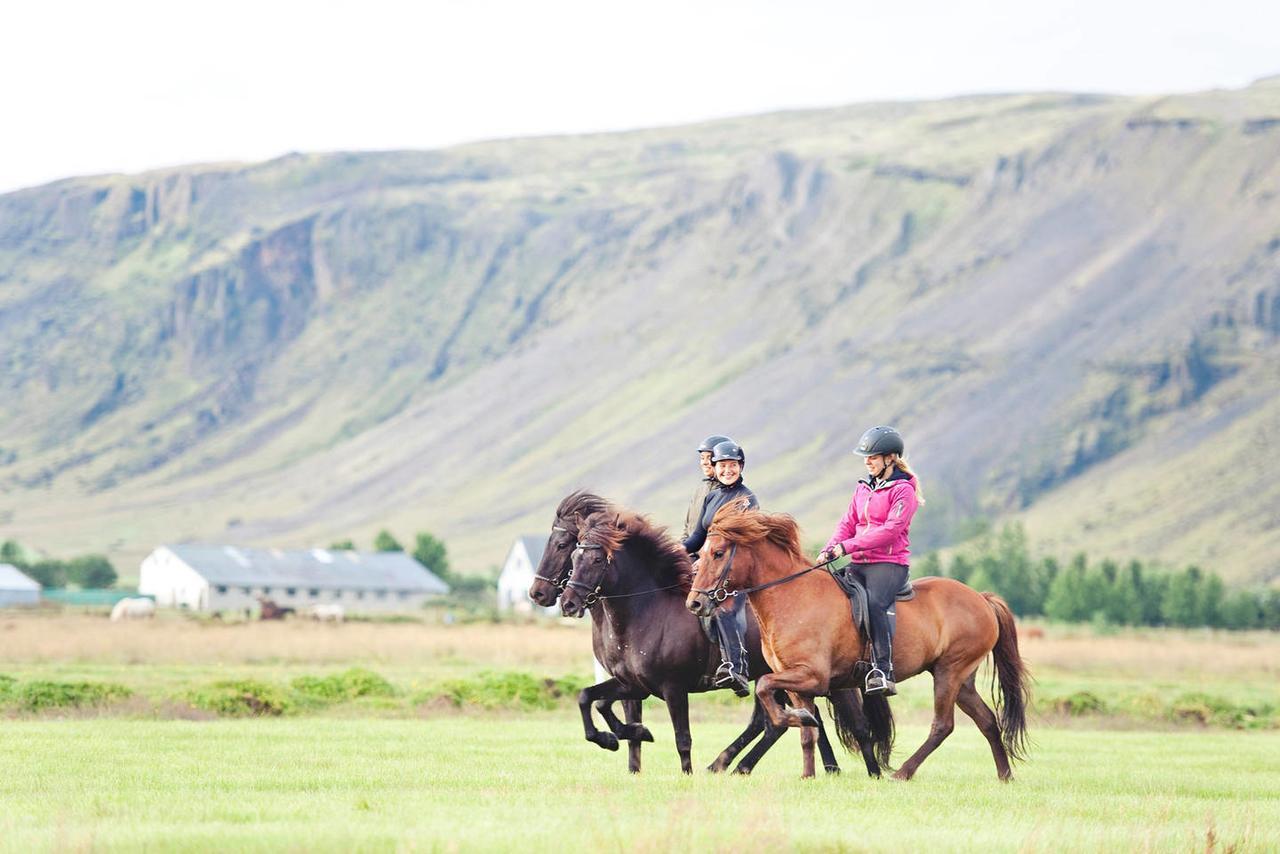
<point x="708" y="482"/>
<point x="730" y="619"/>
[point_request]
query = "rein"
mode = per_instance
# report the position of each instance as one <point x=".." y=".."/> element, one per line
<point x="591" y="596"/>
<point x="719" y="592"/>
<point x="561" y="582"/>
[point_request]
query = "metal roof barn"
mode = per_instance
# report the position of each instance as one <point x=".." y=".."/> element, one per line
<point x="16" y="588"/>
<point x="226" y="578"/>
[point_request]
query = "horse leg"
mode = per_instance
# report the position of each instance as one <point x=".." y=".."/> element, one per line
<point x="946" y="686"/>
<point x="808" y="735"/>
<point x="678" y="707"/>
<point x="795" y="681"/>
<point x="848" y="708"/>
<point x="632" y="710"/>
<point x="609" y="690"/>
<point x="769" y="739"/>
<point x="971" y="702"/>
<point x="829" y="763"/>
<point x="632" y="730"/>
<point x="754" y="727"/>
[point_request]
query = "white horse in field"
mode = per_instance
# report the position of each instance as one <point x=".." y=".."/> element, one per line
<point x="328" y="613"/>
<point x="140" y="608"/>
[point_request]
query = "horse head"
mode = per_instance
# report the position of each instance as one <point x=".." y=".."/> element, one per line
<point x="599" y="538"/>
<point x="553" y="569"/>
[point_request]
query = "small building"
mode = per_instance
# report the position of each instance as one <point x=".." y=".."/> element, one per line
<point x="233" y="578"/>
<point x="517" y="574"/>
<point x="17" y="588"/>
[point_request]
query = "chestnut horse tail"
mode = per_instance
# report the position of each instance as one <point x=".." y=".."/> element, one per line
<point x="1015" y="682"/>
<point x="879" y="718"/>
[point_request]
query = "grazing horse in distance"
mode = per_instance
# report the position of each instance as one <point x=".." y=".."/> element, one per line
<point x="272" y="611"/>
<point x="136" y="608"/>
<point x="813" y="645"/>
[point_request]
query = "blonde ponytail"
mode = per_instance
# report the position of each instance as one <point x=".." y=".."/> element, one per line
<point x="902" y="464"/>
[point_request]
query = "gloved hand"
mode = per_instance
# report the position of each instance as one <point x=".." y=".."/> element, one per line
<point x="829" y="554"/>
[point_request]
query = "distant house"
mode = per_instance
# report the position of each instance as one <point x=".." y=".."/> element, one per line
<point x="517" y="574"/>
<point x="16" y="588"/>
<point x="231" y="578"/>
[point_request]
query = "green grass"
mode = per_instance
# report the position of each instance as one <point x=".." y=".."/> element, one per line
<point x="530" y="782"/>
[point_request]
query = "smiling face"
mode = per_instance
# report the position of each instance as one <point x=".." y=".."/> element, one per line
<point x="728" y="471"/>
<point x="704" y="460"/>
<point x="877" y="464"/>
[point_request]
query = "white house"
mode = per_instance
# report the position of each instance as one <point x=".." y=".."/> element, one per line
<point x="517" y="574"/>
<point x="231" y="578"/>
<point x="16" y="588"/>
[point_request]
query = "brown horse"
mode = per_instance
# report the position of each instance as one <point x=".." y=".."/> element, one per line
<point x="812" y="645"/>
<point x="645" y="637"/>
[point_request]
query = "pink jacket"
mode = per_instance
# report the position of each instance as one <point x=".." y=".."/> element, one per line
<point x="874" y="530"/>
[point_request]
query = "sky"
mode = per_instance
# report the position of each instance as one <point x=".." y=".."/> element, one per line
<point x="127" y="85"/>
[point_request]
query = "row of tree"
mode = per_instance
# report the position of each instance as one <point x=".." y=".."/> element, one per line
<point x="1129" y="594"/>
<point x="86" y="571"/>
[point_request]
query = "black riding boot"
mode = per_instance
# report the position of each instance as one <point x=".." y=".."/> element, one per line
<point x="731" y="628"/>
<point x="882" y="580"/>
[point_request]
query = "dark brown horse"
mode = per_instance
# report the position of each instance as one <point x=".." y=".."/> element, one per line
<point x="646" y="638"/>
<point x="813" y="646"/>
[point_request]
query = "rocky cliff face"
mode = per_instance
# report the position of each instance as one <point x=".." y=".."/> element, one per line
<point x="1050" y="294"/>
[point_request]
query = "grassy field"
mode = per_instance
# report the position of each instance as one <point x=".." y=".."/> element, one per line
<point x="529" y="783"/>
<point x="406" y="767"/>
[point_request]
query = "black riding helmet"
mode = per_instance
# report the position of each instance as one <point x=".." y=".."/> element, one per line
<point x="709" y="443"/>
<point x="728" y="450"/>
<point x="880" y="440"/>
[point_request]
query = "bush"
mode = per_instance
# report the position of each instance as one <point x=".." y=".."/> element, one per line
<point x="240" y="698"/>
<point x="1078" y="704"/>
<point x="347" y="685"/>
<point x="505" y="690"/>
<point x="1206" y="709"/>
<point x="40" y="695"/>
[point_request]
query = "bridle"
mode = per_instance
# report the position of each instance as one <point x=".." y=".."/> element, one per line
<point x="559" y="582"/>
<point x="593" y="595"/>
<point x="719" y="591"/>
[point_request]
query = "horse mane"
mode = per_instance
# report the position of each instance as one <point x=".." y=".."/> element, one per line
<point x="615" y="528"/>
<point x="581" y="503"/>
<point x="737" y="524"/>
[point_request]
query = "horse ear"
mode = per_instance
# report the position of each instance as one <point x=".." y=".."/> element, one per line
<point x="617" y="521"/>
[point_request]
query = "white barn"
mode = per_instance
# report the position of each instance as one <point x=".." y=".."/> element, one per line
<point x="231" y="578"/>
<point x="17" y="588"/>
<point x="517" y="574"/>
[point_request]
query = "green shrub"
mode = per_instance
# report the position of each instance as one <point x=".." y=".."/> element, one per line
<point x="347" y="685"/>
<point x="240" y="698"/>
<point x="504" y="690"/>
<point x="40" y="695"/>
<point x="1078" y="704"/>
<point x="1206" y="709"/>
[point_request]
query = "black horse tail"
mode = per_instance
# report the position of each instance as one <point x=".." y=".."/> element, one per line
<point x="879" y="719"/>
<point x="1015" y="681"/>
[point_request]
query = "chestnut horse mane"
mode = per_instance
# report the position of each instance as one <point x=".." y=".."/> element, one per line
<point x="581" y="503"/>
<point x="739" y="525"/>
<point x="614" y="528"/>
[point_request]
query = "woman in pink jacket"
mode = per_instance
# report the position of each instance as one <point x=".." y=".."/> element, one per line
<point x="873" y="533"/>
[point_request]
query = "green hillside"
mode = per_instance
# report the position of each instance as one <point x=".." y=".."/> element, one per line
<point x="1069" y="303"/>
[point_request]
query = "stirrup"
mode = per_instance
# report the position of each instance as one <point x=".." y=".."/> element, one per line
<point x="727" y="677"/>
<point x="878" y="683"/>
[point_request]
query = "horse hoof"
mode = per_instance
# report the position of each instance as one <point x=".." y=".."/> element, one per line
<point x="607" y="740"/>
<point x="636" y="732"/>
<point x="900" y="777"/>
<point x="802" y="717"/>
<point x="831" y="769"/>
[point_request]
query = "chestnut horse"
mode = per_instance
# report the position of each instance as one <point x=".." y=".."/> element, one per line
<point x="647" y="639"/>
<point x="813" y="646"/>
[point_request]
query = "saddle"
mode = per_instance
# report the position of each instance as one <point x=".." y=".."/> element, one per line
<point x="857" y="594"/>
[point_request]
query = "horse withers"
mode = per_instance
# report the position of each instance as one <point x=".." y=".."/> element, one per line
<point x="813" y="646"/>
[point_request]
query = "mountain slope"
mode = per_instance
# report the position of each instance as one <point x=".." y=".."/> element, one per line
<point x="1056" y="297"/>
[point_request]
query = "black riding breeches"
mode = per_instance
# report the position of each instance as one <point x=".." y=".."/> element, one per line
<point x="731" y="628"/>
<point x="882" y="581"/>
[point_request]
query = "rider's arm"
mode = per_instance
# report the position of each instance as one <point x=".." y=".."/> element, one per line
<point x="698" y="536"/>
<point x="847" y="525"/>
<point x="902" y="507"/>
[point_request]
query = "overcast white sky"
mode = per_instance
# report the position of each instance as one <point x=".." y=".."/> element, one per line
<point x="127" y="85"/>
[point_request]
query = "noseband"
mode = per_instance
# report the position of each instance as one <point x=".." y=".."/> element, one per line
<point x="590" y="595"/>
<point x="557" y="583"/>
<point x="719" y="591"/>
